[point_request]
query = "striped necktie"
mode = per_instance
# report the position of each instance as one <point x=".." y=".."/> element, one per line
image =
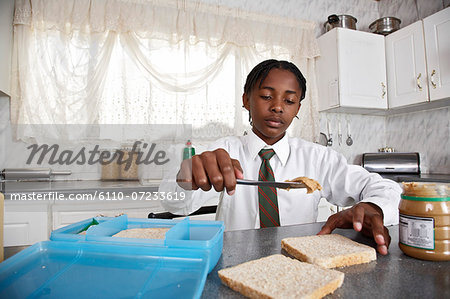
<point x="268" y="202"/>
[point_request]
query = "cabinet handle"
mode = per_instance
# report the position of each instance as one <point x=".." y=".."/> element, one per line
<point x="431" y="78"/>
<point x="383" y="90"/>
<point x="418" y="82"/>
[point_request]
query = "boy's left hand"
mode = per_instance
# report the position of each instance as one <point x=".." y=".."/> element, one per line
<point x="363" y="217"/>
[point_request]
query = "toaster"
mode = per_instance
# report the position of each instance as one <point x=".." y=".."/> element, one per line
<point x="392" y="162"/>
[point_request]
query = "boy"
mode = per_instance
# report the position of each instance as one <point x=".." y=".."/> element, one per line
<point x="272" y="94"/>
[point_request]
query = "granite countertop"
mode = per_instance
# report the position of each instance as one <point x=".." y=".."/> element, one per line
<point x="90" y="186"/>
<point x="393" y="276"/>
<point x="8" y="187"/>
<point x="423" y="177"/>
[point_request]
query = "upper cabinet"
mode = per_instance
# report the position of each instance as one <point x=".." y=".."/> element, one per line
<point x="418" y="61"/>
<point x="406" y="66"/>
<point x="437" y="45"/>
<point x="351" y="70"/>
<point x="354" y="65"/>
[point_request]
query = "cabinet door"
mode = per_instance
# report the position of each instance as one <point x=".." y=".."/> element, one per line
<point x="437" y="43"/>
<point x="406" y="67"/>
<point x="25" y="223"/>
<point x="327" y="72"/>
<point x="362" y="69"/>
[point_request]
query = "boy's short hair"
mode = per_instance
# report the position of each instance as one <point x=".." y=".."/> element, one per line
<point x="260" y="71"/>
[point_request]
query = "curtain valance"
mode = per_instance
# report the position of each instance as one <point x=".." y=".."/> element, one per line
<point x="169" y="20"/>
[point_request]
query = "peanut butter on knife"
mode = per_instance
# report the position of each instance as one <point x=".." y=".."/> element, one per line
<point x="311" y="185"/>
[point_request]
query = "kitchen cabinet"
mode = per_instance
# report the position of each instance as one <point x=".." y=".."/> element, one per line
<point x="406" y="66"/>
<point x="437" y="44"/>
<point x="325" y="210"/>
<point x="418" y="61"/>
<point x="351" y="70"/>
<point x="25" y="223"/>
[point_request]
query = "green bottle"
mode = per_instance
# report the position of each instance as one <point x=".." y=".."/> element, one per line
<point x="188" y="151"/>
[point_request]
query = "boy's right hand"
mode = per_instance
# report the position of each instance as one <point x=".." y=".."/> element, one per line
<point x="208" y="169"/>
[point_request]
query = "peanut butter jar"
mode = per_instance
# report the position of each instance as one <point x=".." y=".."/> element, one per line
<point x="424" y="224"/>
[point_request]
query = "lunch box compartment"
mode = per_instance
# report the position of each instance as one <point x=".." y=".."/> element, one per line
<point x="190" y="234"/>
<point x="72" y="232"/>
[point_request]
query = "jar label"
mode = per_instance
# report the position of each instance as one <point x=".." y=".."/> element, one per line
<point x="416" y="231"/>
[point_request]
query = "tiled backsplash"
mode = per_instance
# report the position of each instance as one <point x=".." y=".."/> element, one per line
<point x="425" y="132"/>
<point x="367" y="132"/>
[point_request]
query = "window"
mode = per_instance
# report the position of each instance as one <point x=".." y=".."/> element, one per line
<point x="149" y="62"/>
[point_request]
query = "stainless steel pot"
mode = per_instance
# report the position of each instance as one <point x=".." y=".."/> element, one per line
<point x="344" y="21"/>
<point x="385" y="25"/>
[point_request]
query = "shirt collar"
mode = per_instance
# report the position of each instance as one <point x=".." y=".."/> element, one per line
<point x="254" y="144"/>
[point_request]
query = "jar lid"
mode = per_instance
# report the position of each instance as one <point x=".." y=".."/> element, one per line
<point x="425" y="191"/>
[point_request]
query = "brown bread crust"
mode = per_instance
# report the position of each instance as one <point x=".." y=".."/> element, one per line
<point x="329" y="251"/>
<point x="280" y="276"/>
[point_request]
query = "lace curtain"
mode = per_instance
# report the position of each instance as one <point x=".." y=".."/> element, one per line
<point x="149" y="62"/>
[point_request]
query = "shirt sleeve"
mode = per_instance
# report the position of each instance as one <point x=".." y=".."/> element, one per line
<point x="345" y="185"/>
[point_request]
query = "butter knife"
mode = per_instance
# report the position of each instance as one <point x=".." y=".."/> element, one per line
<point x="282" y="185"/>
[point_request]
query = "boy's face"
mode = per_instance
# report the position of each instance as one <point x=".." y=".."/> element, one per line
<point x="274" y="105"/>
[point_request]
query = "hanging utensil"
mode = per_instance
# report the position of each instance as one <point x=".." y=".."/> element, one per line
<point x="339" y="133"/>
<point x="323" y="139"/>
<point x="349" y="140"/>
<point x="330" y="135"/>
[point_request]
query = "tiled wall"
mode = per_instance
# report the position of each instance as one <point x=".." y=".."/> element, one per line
<point x="365" y="11"/>
<point x="425" y="132"/>
<point x="409" y="11"/>
<point x="368" y="133"/>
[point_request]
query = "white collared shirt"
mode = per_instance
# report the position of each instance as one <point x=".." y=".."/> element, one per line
<point x="342" y="184"/>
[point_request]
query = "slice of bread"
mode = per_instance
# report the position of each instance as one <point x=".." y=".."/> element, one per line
<point x="278" y="276"/>
<point x="143" y="233"/>
<point x="329" y="251"/>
